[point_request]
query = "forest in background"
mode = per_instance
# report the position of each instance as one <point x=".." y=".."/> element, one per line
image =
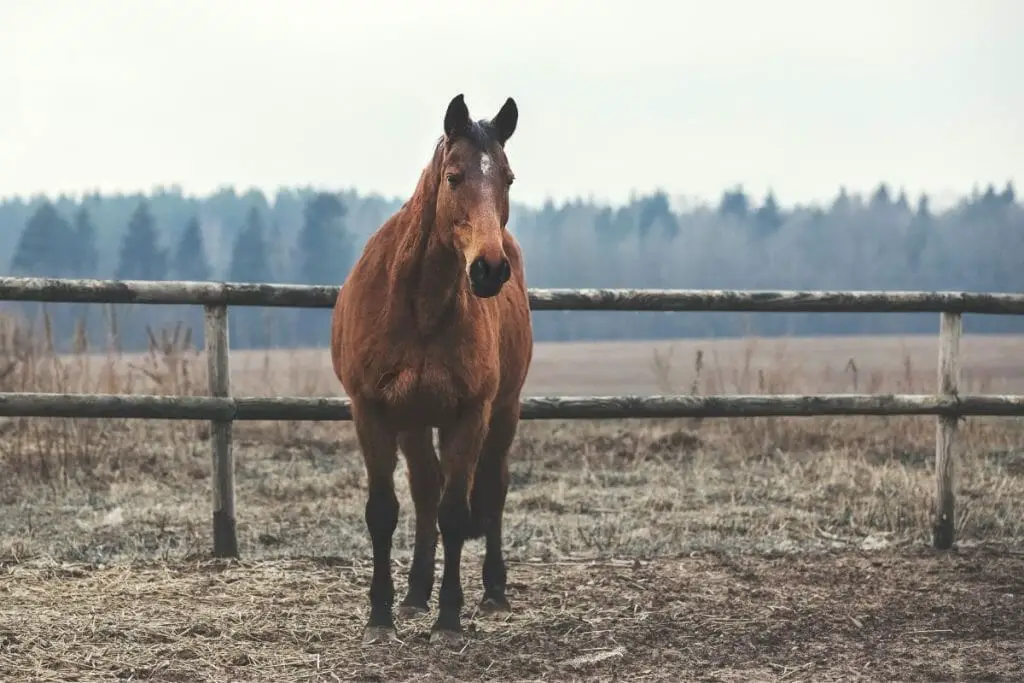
<point x="881" y="241"/>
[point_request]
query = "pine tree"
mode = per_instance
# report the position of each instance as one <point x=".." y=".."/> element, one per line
<point x="324" y="257"/>
<point x="250" y="262"/>
<point x="46" y="246"/>
<point x="141" y="256"/>
<point x="325" y="250"/>
<point x="655" y="211"/>
<point x="768" y="218"/>
<point x="85" y="241"/>
<point x="250" y="259"/>
<point x="734" y="203"/>
<point x="1008" y="195"/>
<point x="190" y="261"/>
<point x="918" y="233"/>
<point x="882" y="198"/>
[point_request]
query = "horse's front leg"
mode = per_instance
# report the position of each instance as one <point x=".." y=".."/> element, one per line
<point x="489" y="492"/>
<point x="379" y="445"/>
<point x="460" y="449"/>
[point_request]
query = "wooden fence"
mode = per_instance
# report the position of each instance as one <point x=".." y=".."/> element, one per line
<point x="222" y="409"/>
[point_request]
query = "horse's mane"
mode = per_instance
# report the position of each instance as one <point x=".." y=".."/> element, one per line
<point x="424" y="197"/>
<point x="415" y="223"/>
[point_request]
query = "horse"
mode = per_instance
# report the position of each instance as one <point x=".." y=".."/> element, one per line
<point x="431" y="330"/>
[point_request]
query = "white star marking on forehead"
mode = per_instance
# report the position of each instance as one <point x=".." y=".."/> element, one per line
<point x="485" y="164"/>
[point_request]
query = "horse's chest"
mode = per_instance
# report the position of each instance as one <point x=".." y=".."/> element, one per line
<point x="431" y="383"/>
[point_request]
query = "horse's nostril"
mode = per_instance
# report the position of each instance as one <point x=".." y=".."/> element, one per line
<point x="479" y="270"/>
<point x="506" y="270"/>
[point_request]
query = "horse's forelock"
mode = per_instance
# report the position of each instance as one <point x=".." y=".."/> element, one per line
<point x="480" y="134"/>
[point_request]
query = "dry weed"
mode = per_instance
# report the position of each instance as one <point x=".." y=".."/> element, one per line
<point x="603" y="488"/>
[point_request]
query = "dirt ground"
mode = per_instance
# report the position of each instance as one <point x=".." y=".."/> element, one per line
<point x="758" y="549"/>
<point x="733" y="550"/>
<point x="822" y="617"/>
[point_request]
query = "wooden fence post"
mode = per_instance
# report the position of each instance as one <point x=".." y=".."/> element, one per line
<point x="225" y="540"/>
<point x="944" y="529"/>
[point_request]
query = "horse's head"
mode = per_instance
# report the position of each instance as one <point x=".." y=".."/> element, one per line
<point x="473" y="188"/>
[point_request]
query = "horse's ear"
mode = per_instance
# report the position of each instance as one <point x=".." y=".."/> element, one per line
<point x="456" y="119"/>
<point x="504" y="122"/>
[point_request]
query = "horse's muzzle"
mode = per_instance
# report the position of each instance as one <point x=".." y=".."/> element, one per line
<point x="486" y="278"/>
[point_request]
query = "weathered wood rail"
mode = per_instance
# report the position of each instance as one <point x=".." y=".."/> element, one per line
<point x="222" y="409"/>
<point x="56" y="290"/>
<point x="242" y="408"/>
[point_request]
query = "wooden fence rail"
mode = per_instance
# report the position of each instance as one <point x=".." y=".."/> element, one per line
<point x="316" y="409"/>
<point x="55" y="290"/>
<point x="222" y="409"/>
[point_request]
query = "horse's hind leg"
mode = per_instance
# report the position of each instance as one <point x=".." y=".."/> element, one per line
<point x="380" y="454"/>
<point x="425" y="486"/>
<point x="488" y="503"/>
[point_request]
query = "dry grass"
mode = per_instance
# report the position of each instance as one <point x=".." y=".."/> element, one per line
<point x="826" y="617"/>
<point x="768" y="549"/>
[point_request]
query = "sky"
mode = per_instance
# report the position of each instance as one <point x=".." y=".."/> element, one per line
<point x="615" y="98"/>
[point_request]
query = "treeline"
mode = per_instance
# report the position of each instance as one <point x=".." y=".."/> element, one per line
<point x="883" y="241"/>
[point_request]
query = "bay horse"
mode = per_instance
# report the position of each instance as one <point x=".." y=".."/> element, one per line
<point x="431" y="329"/>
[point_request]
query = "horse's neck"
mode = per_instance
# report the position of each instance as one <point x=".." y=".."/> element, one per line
<point x="431" y="277"/>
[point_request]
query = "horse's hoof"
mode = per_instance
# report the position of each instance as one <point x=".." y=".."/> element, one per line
<point x="410" y="611"/>
<point x="379" y="634"/>
<point x="446" y="638"/>
<point x="495" y="605"/>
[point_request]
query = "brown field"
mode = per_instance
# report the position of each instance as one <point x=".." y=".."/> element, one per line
<point x="756" y="549"/>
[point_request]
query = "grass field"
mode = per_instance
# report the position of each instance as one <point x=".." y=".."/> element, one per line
<point x="755" y="549"/>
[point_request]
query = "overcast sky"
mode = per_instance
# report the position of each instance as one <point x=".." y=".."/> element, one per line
<point x="614" y="97"/>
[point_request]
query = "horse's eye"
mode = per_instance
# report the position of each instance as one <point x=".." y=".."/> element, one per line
<point x="511" y="179"/>
<point x="453" y="178"/>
